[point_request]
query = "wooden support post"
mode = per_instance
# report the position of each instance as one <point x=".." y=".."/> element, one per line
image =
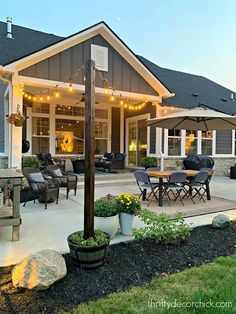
<point x="89" y="149"/>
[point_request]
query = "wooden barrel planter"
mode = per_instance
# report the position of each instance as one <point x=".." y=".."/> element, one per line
<point x="88" y="257"/>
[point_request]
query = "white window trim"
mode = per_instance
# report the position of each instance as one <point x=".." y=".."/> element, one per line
<point x="52" y="123"/>
<point x="199" y="144"/>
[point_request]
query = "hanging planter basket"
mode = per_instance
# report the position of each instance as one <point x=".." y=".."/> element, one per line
<point x="17" y="118"/>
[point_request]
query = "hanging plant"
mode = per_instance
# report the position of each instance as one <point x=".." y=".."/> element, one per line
<point x="17" y="118"/>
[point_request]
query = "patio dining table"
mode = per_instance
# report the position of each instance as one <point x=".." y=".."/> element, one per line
<point x="166" y="174"/>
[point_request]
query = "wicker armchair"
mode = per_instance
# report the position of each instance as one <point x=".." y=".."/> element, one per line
<point x="45" y="190"/>
<point x="69" y="181"/>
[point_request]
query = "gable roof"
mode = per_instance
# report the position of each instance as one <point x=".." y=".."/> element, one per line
<point x="184" y="85"/>
<point x="28" y="41"/>
<point x="61" y="44"/>
<point x="25" y="41"/>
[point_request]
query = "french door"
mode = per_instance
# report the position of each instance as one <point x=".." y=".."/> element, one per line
<point x="137" y="136"/>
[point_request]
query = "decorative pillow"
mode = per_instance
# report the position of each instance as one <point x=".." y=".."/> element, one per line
<point x="37" y="176"/>
<point x="58" y="172"/>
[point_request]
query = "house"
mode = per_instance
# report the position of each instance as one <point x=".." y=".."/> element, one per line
<point x="43" y="76"/>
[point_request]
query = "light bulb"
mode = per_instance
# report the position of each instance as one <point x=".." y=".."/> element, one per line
<point x="34" y="98"/>
<point x="48" y="97"/>
<point x="41" y="98"/>
<point x="57" y="94"/>
<point x="112" y="98"/>
<point x="70" y="87"/>
<point x="121" y="102"/>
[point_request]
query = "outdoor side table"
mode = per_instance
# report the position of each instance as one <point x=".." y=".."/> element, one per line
<point x="10" y="215"/>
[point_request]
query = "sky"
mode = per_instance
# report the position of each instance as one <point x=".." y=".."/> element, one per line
<point x="194" y="36"/>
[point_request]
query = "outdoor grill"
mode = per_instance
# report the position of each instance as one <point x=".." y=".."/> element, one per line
<point x="196" y="162"/>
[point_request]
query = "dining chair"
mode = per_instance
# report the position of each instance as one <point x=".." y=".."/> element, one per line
<point x="175" y="185"/>
<point x="197" y="184"/>
<point x="170" y="168"/>
<point x="144" y="183"/>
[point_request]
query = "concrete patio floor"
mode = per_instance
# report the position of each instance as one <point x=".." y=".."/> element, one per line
<point x="48" y="229"/>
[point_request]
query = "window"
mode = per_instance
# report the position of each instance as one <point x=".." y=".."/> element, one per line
<point x="207" y="142"/>
<point x="174" y="142"/>
<point x="191" y="142"/>
<point x="40" y="107"/>
<point x="101" y="134"/>
<point x="69" y="136"/>
<point x="40" y="135"/>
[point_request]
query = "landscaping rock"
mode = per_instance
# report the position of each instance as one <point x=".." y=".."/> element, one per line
<point x="221" y="221"/>
<point x="39" y="271"/>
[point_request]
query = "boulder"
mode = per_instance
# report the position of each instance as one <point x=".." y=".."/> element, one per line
<point x="39" y="271"/>
<point x="221" y="221"/>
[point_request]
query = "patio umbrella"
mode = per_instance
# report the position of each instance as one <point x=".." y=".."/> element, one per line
<point x="199" y="118"/>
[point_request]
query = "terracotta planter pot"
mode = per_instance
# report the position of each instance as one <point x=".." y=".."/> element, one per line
<point x="88" y="257"/>
<point x="108" y="225"/>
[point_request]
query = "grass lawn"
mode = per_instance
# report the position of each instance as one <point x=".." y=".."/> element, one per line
<point x="215" y="282"/>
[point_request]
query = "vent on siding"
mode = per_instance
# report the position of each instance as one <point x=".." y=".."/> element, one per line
<point x="100" y="56"/>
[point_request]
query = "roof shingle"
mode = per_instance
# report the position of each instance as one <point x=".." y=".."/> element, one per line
<point x="27" y="41"/>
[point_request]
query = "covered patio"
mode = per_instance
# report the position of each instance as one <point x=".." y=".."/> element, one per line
<point x="48" y="229"/>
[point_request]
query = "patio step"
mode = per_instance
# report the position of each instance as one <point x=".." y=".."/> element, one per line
<point x="110" y="179"/>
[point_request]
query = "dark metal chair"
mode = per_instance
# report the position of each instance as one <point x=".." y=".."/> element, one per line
<point x="46" y="190"/>
<point x="170" y="168"/>
<point x="157" y="168"/>
<point x="175" y="185"/>
<point x="198" y="184"/>
<point x="144" y="183"/>
<point x="210" y="172"/>
<point x="69" y="181"/>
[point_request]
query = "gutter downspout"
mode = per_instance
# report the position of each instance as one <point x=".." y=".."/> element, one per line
<point x="10" y="107"/>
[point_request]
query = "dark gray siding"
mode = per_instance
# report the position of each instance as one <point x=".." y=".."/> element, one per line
<point x="223" y="142"/>
<point x="2" y="116"/>
<point x="115" y="132"/>
<point x="60" y="67"/>
<point x="149" y="108"/>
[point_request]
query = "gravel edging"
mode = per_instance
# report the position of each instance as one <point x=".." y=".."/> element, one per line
<point x="126" y="265"/>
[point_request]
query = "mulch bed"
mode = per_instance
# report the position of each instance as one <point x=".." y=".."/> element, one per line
<point x="127" y="264"/>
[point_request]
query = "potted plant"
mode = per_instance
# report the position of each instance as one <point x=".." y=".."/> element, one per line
<point x="106" y="217"/>
<point x="128" y="206"/>
<point x="32" y="161"/>
<point x="88" y="253"/>
<point x="148" y="162"/>
<point x="17" y="118"/>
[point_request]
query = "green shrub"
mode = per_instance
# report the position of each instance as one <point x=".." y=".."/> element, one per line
<point x="128" y="203"/>
<point x="162" y="228"/>
<point x="149" y="162"/>
<point x="78" y="238"/>
<point x="32" y="161"/>
<point x="105" y="207"/>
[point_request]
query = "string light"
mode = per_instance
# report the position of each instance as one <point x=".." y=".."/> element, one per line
<point x="126" y="104"/>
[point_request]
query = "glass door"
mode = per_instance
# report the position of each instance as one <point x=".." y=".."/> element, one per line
<point x="142" y="140"/>
<point x="137" y="141"/>
<point x="132" y="143"/>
